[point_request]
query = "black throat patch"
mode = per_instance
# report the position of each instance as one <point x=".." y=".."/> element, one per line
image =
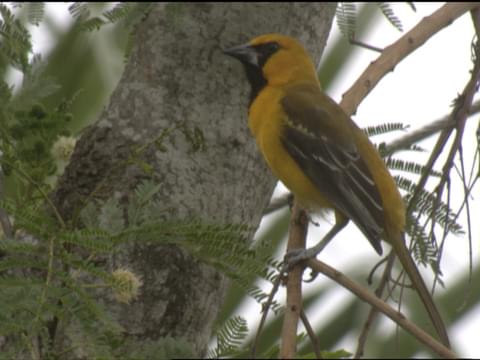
<point x="255" y="72"/>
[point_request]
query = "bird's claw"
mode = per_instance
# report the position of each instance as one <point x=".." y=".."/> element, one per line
<point x="313" y="276"/>
<point x="296" y="257"/>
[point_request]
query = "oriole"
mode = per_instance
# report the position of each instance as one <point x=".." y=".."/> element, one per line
<point x="320" y="154"/>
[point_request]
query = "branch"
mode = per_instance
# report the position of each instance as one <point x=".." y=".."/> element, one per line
<point x="458" y="117"/>
<point x="460" y="114"/>
<point x="424" y="132"/>
<point x="265" y="309"/>
<point x="296" y="240"/>
<point x="278" y="203"/>
<point x="381" y="306"/>
<point x="311" y="335"/>
<point x="399" y="50"/>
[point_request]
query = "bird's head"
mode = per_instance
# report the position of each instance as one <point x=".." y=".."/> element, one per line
<point x="275" y="60"/>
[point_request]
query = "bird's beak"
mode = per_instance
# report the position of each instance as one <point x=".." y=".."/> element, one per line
<point x="245" y="53"/>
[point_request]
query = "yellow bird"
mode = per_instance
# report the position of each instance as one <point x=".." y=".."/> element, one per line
<point x="320" y="154"/>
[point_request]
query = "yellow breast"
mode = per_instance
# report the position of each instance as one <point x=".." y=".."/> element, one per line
<point x="266" y="122"/>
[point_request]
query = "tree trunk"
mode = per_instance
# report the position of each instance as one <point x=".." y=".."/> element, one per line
<point x="185" y="104"/>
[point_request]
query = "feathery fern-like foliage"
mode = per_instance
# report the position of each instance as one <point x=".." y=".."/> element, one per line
<point x="384" y="128"/>
<point x="347" y="19"/>
<point x="424" y="249"/>
<point x="35" y="11"/>
<point x="387" y="11"/>
<point x="428" y="206"/>
<point x="15" y="42"/>
<point x="49" y="273"/>
<point x="128" y="13"/>
<point x="409" y="166"/>
<point x="229" y="338"/>
<point x="346" y="16"/>
<point x="53" y="268"/>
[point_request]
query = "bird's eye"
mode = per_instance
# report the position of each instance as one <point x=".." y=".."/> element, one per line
<point x="264" y="51"/>
<point x="272" y="47"/>
<point x="268" y="49"/>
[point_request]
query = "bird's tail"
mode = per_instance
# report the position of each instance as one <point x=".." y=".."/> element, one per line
<point x="411" y="268"/>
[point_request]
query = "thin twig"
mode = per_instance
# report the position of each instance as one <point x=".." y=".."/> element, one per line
<point x="459" y="115"/>
<point x="381" y="306"/>
<point x="365" y="45"/>
<point x="278" y="203"/>
<point x="426" y="131"/>
<point x="426" y="171"/>
<point x="42" y="192"/>
<point x="43" y="296"/>
<point x="375" y="267"/>
<point x="265" y="309"/>
<point x="311" y="334"/>
<point x="466" y="192"/>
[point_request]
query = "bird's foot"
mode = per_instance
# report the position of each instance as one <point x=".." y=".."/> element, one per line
<point x="296" y="257"/>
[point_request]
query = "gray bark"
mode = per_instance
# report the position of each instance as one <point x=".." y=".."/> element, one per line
<point x="178" y="81"/>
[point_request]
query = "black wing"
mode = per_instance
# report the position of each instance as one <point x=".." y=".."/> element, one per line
<point x="337" y="170"/>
